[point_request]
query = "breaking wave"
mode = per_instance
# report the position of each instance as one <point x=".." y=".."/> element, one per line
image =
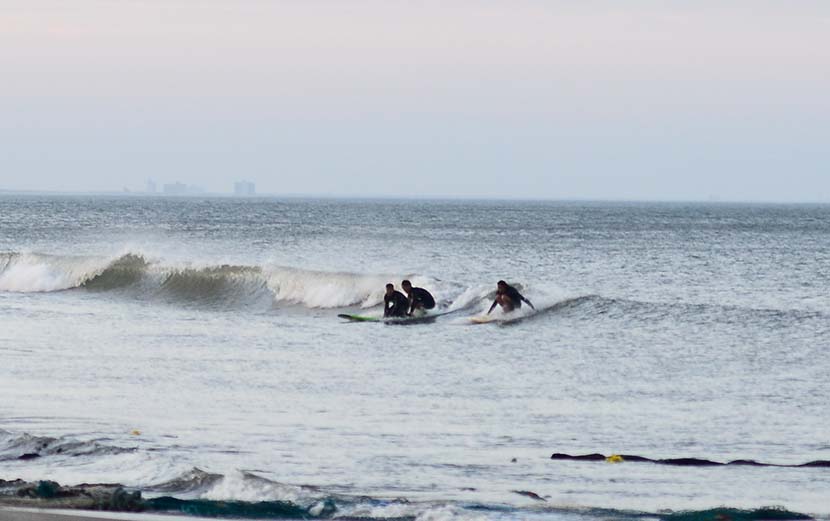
<point x="266" y="286"/>
<point x="116" y="498"/>
<point x="208" y="285"/>
<point x="33" y="272"/>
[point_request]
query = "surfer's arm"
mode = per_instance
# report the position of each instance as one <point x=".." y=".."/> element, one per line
<point x="493" y="306"/>
<point x="529" y="303"/>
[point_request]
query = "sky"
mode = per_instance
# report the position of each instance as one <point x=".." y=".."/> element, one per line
<point x="589" y="99"/>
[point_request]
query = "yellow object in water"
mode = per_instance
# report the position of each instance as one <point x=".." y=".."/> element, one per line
<point x="614" y="458"/>
<point x="136" y="432"/>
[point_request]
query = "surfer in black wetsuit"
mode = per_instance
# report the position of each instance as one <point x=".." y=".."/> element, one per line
<point x="395" y="303"/>
<point x="508" y="298"/>
<point x="419" y="298"/>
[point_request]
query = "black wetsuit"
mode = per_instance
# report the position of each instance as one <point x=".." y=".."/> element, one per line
<point x="420" y="298"/>
<point x="395" y="305"/>
<point x="515" y="297"/>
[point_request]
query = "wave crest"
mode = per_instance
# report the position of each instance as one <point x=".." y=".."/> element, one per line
<point x="211" y="285"/>
<point x="319" y="289"/>
<point x="35" y="272"/>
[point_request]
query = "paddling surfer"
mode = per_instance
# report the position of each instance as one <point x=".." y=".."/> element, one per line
<point x="419" y="298"/>
<point x="508" y="298"/>
<point x="395" y="303"/>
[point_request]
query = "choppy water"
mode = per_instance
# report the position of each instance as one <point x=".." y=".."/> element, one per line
<point x="143" y="338"/>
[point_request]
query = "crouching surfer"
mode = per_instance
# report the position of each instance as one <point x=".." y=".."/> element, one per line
<point x="420" y="300"/>
<point x="395" y="303"/>
<point x="508" y="298"/>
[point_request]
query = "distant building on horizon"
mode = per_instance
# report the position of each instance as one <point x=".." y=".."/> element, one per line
<point x="244" y="188"/>
<point x="175" y="189"/>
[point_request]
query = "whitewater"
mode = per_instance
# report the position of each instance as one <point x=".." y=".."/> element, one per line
<point x="190" y="349"/>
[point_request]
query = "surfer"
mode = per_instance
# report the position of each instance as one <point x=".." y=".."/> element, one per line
<point x="508" y="298"/>
<point x="395" y="303"/>
<point x="419" y="298"/>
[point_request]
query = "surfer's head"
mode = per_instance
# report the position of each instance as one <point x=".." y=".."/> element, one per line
<point x="390" y="288"/>
<point x="406" y="285"/>
<point x="501" y="286"/>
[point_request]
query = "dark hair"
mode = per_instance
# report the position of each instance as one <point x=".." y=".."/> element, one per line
<point x="390" y="285"/>
<point x="406" y="283"/>
<point x="501" y="282"/>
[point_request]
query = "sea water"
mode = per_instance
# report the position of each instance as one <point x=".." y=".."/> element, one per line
<point x="190" y="347"/>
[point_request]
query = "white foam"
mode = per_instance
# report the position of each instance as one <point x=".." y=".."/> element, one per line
<point x="391" y="510"/>
<point x="448" y="513"/>
<point x="319" y="289"/>
<point x="420" y="511"/>
<point x="131" y="469"/>
<point x="471" y="296"/>
<point x="31" y="272"/>
<point x="238" y="486"/>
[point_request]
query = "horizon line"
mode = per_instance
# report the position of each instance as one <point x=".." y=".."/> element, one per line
<point x="269" y="195"/>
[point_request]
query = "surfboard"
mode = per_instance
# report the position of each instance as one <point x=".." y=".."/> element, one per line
<point x="359" y="318"/>
<point x="482" y="319"/>
<point x="393" y="320"/>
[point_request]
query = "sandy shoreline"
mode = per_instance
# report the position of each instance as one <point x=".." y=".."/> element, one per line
<point x="36" y="514"/>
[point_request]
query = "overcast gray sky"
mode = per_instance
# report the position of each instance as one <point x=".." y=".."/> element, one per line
<point x="661" y="99"/>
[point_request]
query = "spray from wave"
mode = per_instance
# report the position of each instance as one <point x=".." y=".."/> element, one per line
<point x="208" y="285"/>
<point x="33" y="272"/>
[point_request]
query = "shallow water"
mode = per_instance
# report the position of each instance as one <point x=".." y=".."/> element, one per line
<point x="203" y="333"/>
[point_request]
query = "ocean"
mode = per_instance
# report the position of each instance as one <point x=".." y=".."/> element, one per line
<point x="189" y="349"/>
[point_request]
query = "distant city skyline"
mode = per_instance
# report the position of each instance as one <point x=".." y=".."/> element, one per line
<point x="530" y="100"/>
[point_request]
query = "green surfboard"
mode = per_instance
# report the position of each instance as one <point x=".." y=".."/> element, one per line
<point x="360" y="318"/>
<point x="391" y="321"/>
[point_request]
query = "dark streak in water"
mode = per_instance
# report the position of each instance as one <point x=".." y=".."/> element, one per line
<point x="683" y="462"/>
